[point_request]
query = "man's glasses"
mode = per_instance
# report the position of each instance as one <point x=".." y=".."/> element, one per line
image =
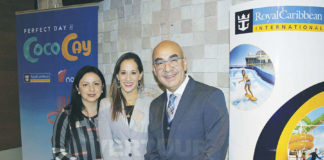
<point x="160" y="64"/>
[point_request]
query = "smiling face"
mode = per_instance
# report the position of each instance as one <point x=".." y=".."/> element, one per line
<point x="172" y="73"/>
<point x="128" y="76"/>
<point x="90" y="88"/>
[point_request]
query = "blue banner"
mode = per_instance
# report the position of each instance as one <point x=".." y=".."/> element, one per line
<point x="288" y="14"/>
<point x="52" y="46"/>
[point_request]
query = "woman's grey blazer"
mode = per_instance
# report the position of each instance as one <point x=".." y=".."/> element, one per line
<point x="120" y="141"/>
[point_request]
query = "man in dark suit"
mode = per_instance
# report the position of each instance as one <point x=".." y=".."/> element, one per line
<point x="189" y="121"/>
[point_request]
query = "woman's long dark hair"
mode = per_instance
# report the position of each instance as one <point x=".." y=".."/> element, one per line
<point x="76" y="105"/>
<point x="115" y="91"/>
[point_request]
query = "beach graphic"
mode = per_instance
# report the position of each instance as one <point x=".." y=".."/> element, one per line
<point x="251" y="77"/>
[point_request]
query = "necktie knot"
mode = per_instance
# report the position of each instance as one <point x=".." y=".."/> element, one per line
<point x="172" y="98"/>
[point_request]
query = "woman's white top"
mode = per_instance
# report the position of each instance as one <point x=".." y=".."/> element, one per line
<point x="120" y="140"/>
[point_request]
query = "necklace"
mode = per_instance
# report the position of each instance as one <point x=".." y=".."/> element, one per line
<point x="129" y="110"/>
<point x="88" y="115"/>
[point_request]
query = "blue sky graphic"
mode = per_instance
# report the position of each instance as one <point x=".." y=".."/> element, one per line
<point x="318" y="132"/>
<point x="239" y="53"/>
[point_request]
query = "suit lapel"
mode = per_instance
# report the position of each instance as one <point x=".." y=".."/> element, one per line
<point x="184" y="103"/>
<point x="137" y="116"/>
<point x="123" y="123"/>
<point x="163" y="106"/>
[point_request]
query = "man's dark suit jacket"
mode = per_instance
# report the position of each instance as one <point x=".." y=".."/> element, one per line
<point x="199" y="130"/>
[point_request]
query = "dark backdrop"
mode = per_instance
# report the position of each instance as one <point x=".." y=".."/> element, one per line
<point x="9" y="102"/>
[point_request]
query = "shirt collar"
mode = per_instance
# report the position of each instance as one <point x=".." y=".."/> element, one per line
<point x="181" y="89"/>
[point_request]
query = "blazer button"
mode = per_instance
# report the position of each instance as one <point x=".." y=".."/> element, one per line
<point x="129" y="140"/>
<point x="130" y="154"/>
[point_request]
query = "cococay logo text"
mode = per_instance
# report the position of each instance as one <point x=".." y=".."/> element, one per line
<point x="32" y="52"/>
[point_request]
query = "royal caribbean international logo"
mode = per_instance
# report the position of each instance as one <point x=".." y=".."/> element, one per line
<point x="37" y="77"/>
<point x="244" y="21"/>
<point x="280" y="18"/>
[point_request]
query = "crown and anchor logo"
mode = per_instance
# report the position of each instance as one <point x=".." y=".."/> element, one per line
<point x="243" y="22"/>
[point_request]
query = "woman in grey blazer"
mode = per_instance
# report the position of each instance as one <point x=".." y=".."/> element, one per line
<point x="124" y="115"/>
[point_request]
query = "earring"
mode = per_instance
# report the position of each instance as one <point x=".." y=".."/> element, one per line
<point x="139" y="85"/>
<point x="77" y="90"/>
<point x="118" y="83"/>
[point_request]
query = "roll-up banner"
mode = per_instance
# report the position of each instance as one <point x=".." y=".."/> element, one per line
<point x="277" y="80"/>
<point x="52" y="46"/>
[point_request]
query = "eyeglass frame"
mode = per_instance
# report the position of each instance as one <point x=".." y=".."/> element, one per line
<point x="173" y="57"/>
